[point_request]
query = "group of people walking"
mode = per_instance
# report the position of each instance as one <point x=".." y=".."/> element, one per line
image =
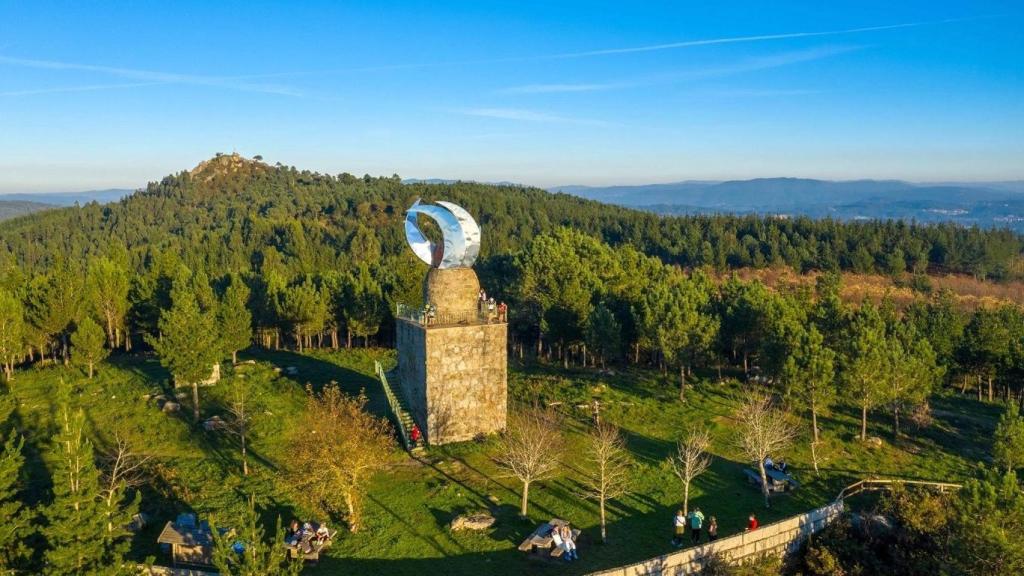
<point x="695" y="523"/>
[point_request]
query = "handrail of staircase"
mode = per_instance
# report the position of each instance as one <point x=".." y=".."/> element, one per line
<point x="393" y="404"/>
<point x="869" y="484"/>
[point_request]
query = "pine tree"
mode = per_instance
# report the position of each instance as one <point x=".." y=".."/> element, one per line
<point x="107" y="294"/>
<point x="365" y="301"/>
<point x="188" y="344"/>
<point x="810" y="373"/>
<point x="78" y="530"/>
<point x="912" y="372"/>
<point x="1008" y="448"/>
<point x="87" y="345"/>
<point x="256" y="555"/>
<point x="865" y="363"/>
<point x="17" y="519"/>
<point x="12" y="332"/>
<point x="234" y="317"/>
<point x="53" y="303"/>
<point x="604" y="334"/>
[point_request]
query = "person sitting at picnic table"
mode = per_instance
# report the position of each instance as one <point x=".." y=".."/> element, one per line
<point x="568" y="537"/>
<point x="293" y="530"/>
<point x="768" y="464"/>
<point x="679" y="525"/>
<point x="561" y="536"/>
<point x="323" y="534"/>
<point x="415" y="433"/>
<point x="781" y="466"/>
<point x="752" y="523"/>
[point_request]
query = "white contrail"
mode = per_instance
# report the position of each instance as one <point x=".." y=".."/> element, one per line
<point x="83" y="88"/>
<point x="153" y="76"/>
<point x="737" y="39"/>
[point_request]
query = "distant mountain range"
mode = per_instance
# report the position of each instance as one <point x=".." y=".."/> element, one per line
<point x="15" y="208"/>
<point x="13" y="205"/>
<point x="988" y="204"/>
<point x="69" y="198"/>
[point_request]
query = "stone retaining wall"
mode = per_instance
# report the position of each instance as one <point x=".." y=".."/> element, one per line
<point x="778" y="538"/>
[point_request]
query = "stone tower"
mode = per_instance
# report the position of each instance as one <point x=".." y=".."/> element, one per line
<point x="452" y="354"/>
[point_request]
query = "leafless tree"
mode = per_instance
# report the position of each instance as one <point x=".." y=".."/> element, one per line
<point x="122" y="468"/>
<point x="609" y="467"/>
<point x="531" y="447"/>
<point x="763" y="430"/>
<point x="691" y="459"/>
<point x="239" y="420"/>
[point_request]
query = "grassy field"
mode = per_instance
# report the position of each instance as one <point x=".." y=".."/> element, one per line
<point x="410" y="505"/>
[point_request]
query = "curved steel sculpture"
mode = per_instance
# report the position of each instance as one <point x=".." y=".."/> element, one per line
<point x="461" y="234"/>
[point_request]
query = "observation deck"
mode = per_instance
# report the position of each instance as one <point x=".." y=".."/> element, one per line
<point x="431" y="318"/>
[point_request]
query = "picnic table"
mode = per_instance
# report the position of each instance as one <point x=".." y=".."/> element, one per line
<point x="540" y="544"/>
<point x="778" y="481"/>
<point x="306" y="545"/>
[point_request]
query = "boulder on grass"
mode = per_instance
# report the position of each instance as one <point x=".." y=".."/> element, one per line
<point x="480" y="521"/>
<point x="171" y="407"/>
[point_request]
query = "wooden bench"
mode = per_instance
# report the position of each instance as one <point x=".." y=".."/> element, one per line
<point x="541" y="545"/>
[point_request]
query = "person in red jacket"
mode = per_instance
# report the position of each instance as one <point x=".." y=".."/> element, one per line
<point x="415" y="434"/>
<point x="752" y="524"/>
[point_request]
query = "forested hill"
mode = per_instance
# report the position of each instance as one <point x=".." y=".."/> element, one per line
<point x="234" y="214"/>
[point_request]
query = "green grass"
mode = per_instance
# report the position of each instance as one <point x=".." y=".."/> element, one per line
<point x="410" y="505"/>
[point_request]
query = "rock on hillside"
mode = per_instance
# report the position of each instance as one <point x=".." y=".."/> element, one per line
<point x="226" y="165"/>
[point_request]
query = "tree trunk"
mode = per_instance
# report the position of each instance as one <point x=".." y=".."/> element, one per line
<point x="863" y="423"/>
<point x="963" y="389"/>
<point x="524" y="500"/>
<point x="895" y="422"/>
<point x="604" y="531"/>
<point x="195" y="401"/>
<point x="234" y="356"/>
<point x="764" y="483"/>
<point x="814" y="456"/>
<point x="245" y="457"/>
<point x="90" y="370"/>
<point x="746" y="366"/>
<point x="990" y="388"/>
<point x="686" y="497"/>
<point x="636" y="353"/>
<point x="682" y="383"/>
<point x="814" y="421"/>
<point x="348" y="336"/>
<point x="353" y="515"/>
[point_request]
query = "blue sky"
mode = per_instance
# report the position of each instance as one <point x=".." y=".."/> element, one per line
<point x="114" y="95"/>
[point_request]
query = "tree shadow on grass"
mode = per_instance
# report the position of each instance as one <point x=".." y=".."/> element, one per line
<point x="318" y="373"/>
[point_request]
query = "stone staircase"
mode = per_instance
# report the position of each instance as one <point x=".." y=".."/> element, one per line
<point x="401" y="414"/>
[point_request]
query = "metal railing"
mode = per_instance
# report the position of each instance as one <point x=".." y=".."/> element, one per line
<point x="874" y="484"/>
<point x="396" y="408"/>
<point x="425" y="317"/>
